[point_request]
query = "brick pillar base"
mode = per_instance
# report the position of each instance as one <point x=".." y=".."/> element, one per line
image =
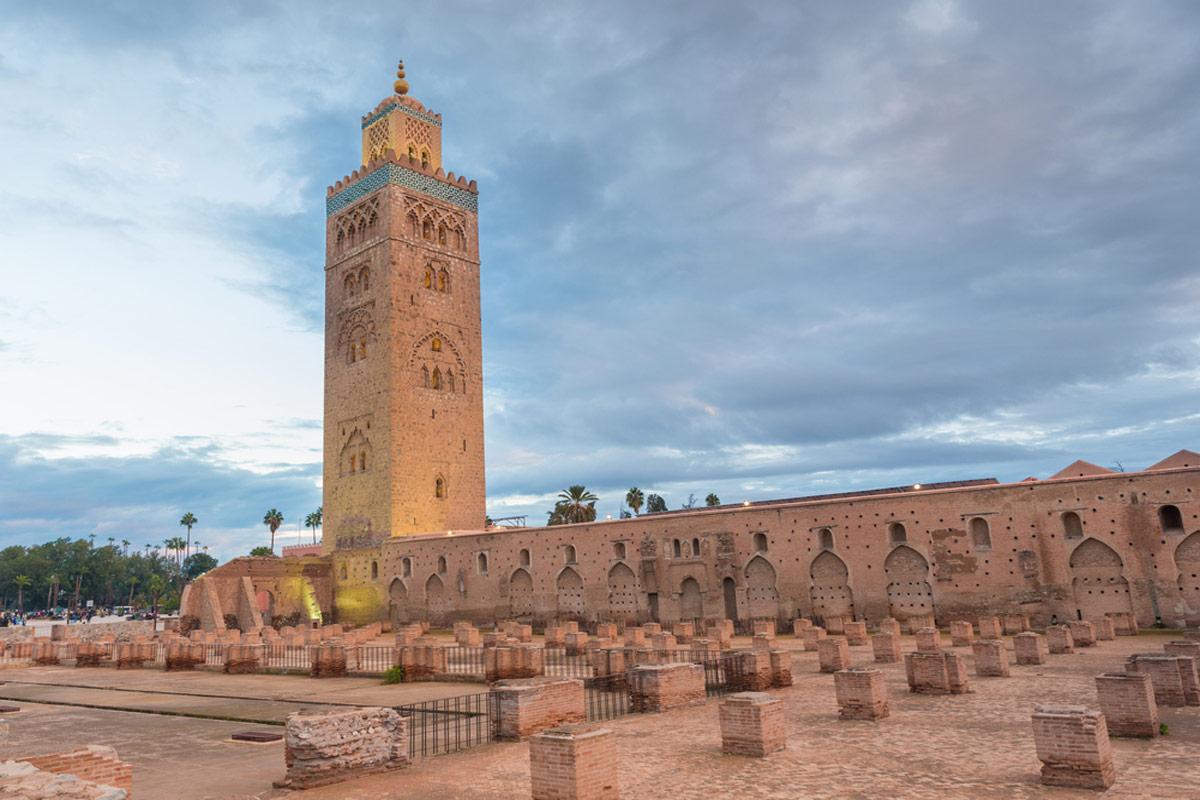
<point x="660" y="687"/>
<point x="929" y="640"/>
<point x="890" y="625"/>
<point x="1015" y="623"/>
<point x="856" y="634"/>
<point x="1124" y="623"/>
<point x="754" y="671"/>
<point x="781" y="668"/>
<point x="330" y="746"/>
<point x="1060" y="640"/>
<point x="961" y="634"/>
<point x="813" y="637"/>
<point x="1174" y="677"/>
<point x="328" y="661"/>
<point x="861" y="693"/>
<point x="1104" y="629"/>
<point x="752" y="724"/>
<point x="886" y="647"/>
<point x="1030" y="647"/>
<point x="573" y="762"/>
<point x="833" y="654"/>
<point x="1083" y="634"/>
<point x="989" y="628"/>
<point x="531" y="705"/>
<point x="991" y="659"/>
<point x="939" y="672"/>
<point x="1127" y="702"/>
<point x="1072" y="744"/>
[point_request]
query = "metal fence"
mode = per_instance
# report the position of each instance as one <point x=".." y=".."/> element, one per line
<point x="450" y="724"/>
<point x="375" y="659"/>
<point x="606" y="697"/>
<point x="462" y="660"/>
<point x="561" y="665"/>
<point x="722" y="675"/>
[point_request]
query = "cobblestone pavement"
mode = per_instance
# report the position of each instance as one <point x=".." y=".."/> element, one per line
<point x="965" y="747"/>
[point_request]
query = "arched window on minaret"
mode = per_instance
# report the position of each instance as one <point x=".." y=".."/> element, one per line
<point x="412" y="153"/>
<point x="353" y="462"/>
<point x="425" y="377"/>
<point x="439" y="488"/>
<point x="362" y="460"/>
<point x="442" y="280"/>
<point x="450" y="381"/>
<point x="341" y="240"/>
<point x="436" y="345"/>
<point x="424" y="158"/>
<point x="441" y="234"/>
<point x="364" y="279"/>
<point x="425" y="229"/>
<point x="437" y="378"/>
<point x="362" y="350"/>
<point x="428" y="278"/>
<point x="353" y="352"/>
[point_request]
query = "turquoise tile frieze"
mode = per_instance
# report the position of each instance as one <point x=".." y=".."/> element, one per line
<point x="409" y="179"/>
<point x="412" y="112"/>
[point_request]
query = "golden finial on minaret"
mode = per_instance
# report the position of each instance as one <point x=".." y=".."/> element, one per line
<point x="401" y="85"/>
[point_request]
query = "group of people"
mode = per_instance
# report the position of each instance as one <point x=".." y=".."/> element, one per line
<point x="82" y="615"/>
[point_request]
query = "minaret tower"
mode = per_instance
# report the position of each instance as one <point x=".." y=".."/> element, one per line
<point x="403" y="355"/>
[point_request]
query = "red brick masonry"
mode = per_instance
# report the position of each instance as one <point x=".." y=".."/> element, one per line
<point x="573" y="762"/>
<point x="752" y="724"/>
<point x="1072" y="744"/>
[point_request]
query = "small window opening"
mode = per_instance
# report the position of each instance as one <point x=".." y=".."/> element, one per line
<point x="1170" y="520"/>
<point x="760" y="543"/>
<point x="896" y="533"/>
<point x="678" y="549"/>
<point x="619" y="550"/>
<point x="524" y="557"/>
<point x="439" y="487"/>
<point x="825" y="539"/>
<point x="981" y="536"/>
<point x="374" y="570"/>
<point x="481" y="563"/>
<point x="1072" y="525"/>
<point x="569" y="553"/>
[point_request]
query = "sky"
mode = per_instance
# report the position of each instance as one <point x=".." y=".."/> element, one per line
<point x="762" y="249"/>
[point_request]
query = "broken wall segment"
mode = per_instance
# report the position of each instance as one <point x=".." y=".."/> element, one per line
<point x="661" y="687"/>
<point x="526" y="706"/>
<point x="329" y="746"/>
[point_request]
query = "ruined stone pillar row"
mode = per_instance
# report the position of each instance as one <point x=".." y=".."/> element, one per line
<point x="989" y="628"/>
<point x="1083" y="634"/>
<point x="962" y="634"/>
<point x="1127" y="702"/>
<point x="856" y="634"/>
<point x="833" y="654"/>
<point x="1030" y="648"/>
<point x="886" y="647"/>
<point x="660" y="687"/>
<point x="752" y="724"/>
<point x="1072" y="744"/>
<point x="1015" y="623"/>
<point x="936" y="672"/>
<point x="991" y="658"/>
<point x="861" y="693"/>
<point x="1059" y="639"/>
<point x="929" y="640"/>
<point x="573" y="762"/>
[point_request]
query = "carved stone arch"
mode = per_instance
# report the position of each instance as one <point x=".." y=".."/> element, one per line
<point x="909" y="592"/>
<point x="520" y="593"/>
<point x="364" y="278"/>
<point x="357" y="444"/>
<point x="762" y="598"/>
<point x="624" y="592"/>
<point x="830" y="587"/>
<point x="570" y="599"/>
<point x="357" y="324"/>
<point x="1097" y="580"/>
<point x="421" y="350"/>
<point x="435" y="599"/>
<point x="397" y="601"/>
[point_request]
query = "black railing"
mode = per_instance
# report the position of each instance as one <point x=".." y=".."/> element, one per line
<point x="374" y="659"/>
<point x="722" y="675"/>
<point x="287" y="656"/>
<point x="450" y="724"/>
<point x="561" y="665"/>
<point x="464" y="660"/>
<point x="606" y="697"/>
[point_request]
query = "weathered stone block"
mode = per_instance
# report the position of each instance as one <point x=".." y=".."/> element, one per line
<point x="573" y="762"/>
<point x="752" y="724"/>
<point x="660" y="687"/>
<point x="861" y="693"/>
<point x="833" y="654"/>
<point x="1072" y="744"/>
<point x="1030" y="648"/>
<point x="1127" y="701"/>
<point x="325" y="747"/>
<point x="886" y="647"/>
<point x="991" y="658"/>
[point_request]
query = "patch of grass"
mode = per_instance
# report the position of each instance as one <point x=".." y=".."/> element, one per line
<point x="1163" y="730"/>
<point x="393" y="675"/>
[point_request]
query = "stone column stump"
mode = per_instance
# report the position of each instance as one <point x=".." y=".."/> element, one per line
<point x="833" y="654"/>
<point x="1072" y="744"/>
<point x="1083" y="633"/>
<point x="812" y="636"/>
<point x="886" y="647"/>
<point x="861" y="693"/>
<point x="573" y="762"/>
<point x="1030" y="647"/>
<point x="991" y="658"/>
<point x="962" y="634"/>
<point x="1060" y="640"/>
<point x="856" y="634"/>
<point x="661" y="687"/>
<point x="1127" y="702"/>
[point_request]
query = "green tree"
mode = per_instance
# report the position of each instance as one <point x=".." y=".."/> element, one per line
<point x="156" y="586"/>
<point x="125" y="547"/>
<point x="197" y="564"/>
<point x="712" y="500"/>
<point x="635" y="499"/>
<point x="273" y="519"/>
<point x="188" y="520"/>
<point x="654" y="503"/>
<point x="262" y="550"/>
<point x="21" y="581"/>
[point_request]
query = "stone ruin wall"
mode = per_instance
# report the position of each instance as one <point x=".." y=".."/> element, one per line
<point x="257" y="589"/>
<point x="1124" y="561"/>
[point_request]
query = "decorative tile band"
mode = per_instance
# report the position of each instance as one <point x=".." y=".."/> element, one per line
<point x="412" y="112"/>
<point x="393" y="173"/>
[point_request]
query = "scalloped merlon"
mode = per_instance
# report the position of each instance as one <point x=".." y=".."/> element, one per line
<point x="406" y="163"/>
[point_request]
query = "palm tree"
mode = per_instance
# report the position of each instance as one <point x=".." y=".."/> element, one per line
<point x="91" y="540"/>
<point x="189" y="521"/>
<point x="712" y="499"/>
<point x="273" y="519"/>
<point x="112" y="542"/>
<point x="577" y="504"/>
<point x="125" y="547"/>
<point x="313" y="521"/>
<point x="635" y="499"/>
<point x="22" y="581"/>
